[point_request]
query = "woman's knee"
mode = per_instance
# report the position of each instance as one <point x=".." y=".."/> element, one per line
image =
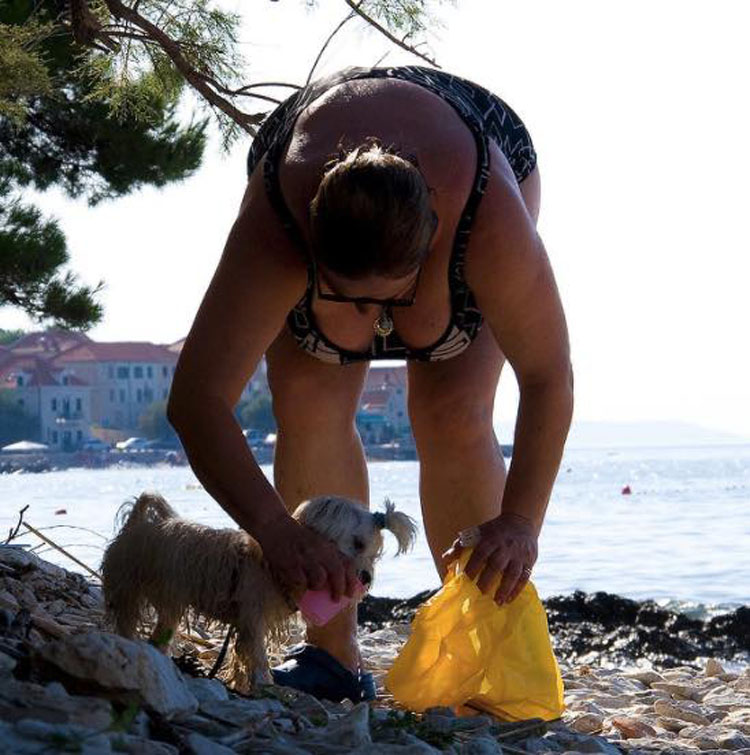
<point x="450" y="418"/>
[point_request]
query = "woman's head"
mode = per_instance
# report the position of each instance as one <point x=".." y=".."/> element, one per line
<point x="371" y="215"/>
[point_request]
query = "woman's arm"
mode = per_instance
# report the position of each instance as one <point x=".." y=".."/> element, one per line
<point x="260" y="278"/>
<point x="509" y="272"/>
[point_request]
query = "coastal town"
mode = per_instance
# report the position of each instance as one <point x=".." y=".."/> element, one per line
<point x="70" y="394"/>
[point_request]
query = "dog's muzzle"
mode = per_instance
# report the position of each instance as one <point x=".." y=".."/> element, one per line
<point x="365" y="578"/>
<point x="379" y="519"/>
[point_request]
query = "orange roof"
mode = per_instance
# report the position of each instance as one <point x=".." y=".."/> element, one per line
<point x="122" y="351"/>
<point x="376" y="399"/>
<point x="48" y="342"/>
<point x="41" y="372"/>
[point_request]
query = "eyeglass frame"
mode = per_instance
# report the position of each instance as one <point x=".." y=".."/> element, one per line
<point x="342" y="299"/>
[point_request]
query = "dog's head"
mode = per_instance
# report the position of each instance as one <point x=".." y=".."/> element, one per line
<point x="356" y="531"/>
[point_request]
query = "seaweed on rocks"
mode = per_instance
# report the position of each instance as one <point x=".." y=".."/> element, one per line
<point x="376" y="613"/>
<point x="614" y="628"/>
<point x="620" y="630"/>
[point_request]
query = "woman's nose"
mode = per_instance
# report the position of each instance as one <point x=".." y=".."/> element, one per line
<point x="368" y="309"/>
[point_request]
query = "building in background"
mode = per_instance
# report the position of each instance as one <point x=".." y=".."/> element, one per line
<point x="383" y="414"/>
<point x="78" y="388"/>
<point x="58" y="398"/>
<point x="125" y="378"/>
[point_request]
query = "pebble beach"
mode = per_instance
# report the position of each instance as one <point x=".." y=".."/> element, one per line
<point x="68" y="685"/>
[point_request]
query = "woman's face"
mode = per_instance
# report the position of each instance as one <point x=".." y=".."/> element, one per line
<point x="370" y="293"/>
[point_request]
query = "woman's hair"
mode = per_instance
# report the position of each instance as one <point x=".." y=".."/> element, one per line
<point x="371" y="214"/>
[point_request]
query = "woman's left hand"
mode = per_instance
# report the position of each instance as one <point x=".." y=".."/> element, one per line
<point x="507" y="544"/>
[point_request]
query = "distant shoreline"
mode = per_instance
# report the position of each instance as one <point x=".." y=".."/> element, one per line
<point x="52" y="461"/>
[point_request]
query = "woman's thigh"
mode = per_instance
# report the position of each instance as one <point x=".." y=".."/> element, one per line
<point x="307" y="391"/>
<point x="452" y="401"/>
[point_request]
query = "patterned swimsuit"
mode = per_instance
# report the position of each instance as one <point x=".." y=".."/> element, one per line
<point x="486" y="116"/>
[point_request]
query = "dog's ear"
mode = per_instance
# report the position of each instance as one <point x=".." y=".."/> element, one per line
<point x="401" y="525"/>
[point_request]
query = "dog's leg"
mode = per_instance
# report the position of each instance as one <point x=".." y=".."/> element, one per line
<point x="250" y="668"/>
<point x="165" y="629"/>
<point x="124" y="611"/>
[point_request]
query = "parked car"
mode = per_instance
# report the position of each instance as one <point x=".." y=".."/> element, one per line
<point x="95" y="444"/>
<point x="132" y="444"/>
<point x="164" y="444"/>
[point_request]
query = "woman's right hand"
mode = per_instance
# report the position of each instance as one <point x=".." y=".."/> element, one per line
<point x="301" y="559"/>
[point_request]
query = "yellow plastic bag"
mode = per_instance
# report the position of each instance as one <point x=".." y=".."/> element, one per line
<point x="463" y="646"/>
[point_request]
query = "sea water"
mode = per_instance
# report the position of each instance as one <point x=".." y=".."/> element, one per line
<point x="682" y="535"/>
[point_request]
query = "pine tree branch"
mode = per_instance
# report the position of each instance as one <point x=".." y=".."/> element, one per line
<point x="348" y="18"/>
<point x="356" y="7"/>
<point x="88" y="30"/>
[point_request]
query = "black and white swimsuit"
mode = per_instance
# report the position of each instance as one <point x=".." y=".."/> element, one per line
<point x="487" y="117"/>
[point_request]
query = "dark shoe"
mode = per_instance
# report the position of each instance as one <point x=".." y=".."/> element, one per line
<point x="311" y="669"/>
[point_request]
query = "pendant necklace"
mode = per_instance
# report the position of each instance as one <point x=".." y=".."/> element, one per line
<point x="383" y="326"/>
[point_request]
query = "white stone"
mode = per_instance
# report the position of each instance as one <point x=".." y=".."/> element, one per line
<point x="646" y="676"/>
<point x="206" y="689"/>
<point x="684" y="711"/>
<point x="119" y="664"/>
<point x="679" y="690"/>
<point x="712" y="668"/>
<point x="587" y="723"/>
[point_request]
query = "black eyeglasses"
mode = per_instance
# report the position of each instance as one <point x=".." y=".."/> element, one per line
<point x="397" y="302"/>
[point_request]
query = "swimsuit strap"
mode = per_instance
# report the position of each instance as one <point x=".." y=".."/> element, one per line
<point x="273" y="137"/>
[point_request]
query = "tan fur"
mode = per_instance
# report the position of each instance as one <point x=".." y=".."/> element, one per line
<point x="163" y="563"/>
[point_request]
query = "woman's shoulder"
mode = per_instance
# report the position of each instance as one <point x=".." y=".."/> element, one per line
<point x="261" y="243"/>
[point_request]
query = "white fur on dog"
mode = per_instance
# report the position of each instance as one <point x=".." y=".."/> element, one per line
<point x="169" y="565"/>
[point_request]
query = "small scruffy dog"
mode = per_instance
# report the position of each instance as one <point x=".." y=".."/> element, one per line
<point x="172" y="565"/>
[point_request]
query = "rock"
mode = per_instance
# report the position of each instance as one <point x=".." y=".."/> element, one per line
<point x="351" y="730"/>
<point x="733" y="740"/>
<point x="38" y="736"/>
<point x="206" y="689"/>
<point x="7" y="664"/>
<point x="587" y="723"/>
<point x="24" y="560"/>
<point x="121" y="665"/>
<point x="584" y="743"/>
<point x="140" y="745"/>
<point x="197" y="744"/>
<point x="311" y="708"/>
<point x="670" y="724"/>
<point x="632" y="728"/>
<point x="382" y="748"/>
<point x="681" y="711"/>
<point x="241" y="712"/>
<point x="23" y="700"/>
<point x="646" y="676"/>
<point x="712" y="668"/>
<point x="481" y="746"/>
<point x="680" y="691"/>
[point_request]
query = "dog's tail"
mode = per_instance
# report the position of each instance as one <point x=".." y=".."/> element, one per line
<point x="147" y="508"/>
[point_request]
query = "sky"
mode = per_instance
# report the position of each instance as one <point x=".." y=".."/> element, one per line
<point x="639" y="114"/>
